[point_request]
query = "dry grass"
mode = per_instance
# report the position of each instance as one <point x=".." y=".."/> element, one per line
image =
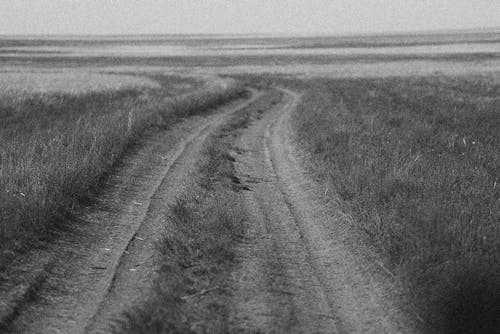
<point x="55" y="148"/>
<point x="417" y="163"/>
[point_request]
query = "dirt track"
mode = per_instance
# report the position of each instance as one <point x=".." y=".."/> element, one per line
<point x="301" y="269"/>
<point x="304" y="269"/>
<point x="104" y="264"/>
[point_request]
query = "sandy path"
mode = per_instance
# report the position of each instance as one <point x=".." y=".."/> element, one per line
<point x="303" y="267"/>
<point x="104" y="263"/>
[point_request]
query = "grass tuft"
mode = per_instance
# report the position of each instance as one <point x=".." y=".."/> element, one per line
<point x="195" y="252"/>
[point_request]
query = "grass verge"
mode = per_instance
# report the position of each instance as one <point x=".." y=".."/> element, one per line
<point x="55" y="149"/>
<point x="417" y="163"/>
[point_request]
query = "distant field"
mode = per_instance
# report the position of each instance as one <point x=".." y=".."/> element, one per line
<point x="76" y="82"/>
<point x="373" y="56"/>
<point x="168" y="50"/>
<point x="203" y="45"/>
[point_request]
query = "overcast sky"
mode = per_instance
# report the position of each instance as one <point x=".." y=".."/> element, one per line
<point x="242" y="16"/>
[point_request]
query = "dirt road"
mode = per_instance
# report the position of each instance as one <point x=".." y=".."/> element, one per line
<point x="105" y="263"/>
<point x="303" y="267"/>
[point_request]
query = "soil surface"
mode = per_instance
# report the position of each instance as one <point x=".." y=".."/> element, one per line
<point x="103" y="263"/>
<point x="304" y="268"/>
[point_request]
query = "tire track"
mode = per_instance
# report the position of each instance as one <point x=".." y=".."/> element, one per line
<point x="329" y="277"/>
<point x="366" y="297"/>
<point x="275" y="287"/>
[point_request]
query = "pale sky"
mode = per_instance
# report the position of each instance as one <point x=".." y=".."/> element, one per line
<point x="243" y="16"/>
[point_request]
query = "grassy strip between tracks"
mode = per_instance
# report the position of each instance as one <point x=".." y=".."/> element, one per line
<point x="416" y="161"/>
<point x="55" y="149"/>
<point x="197" y="250"/>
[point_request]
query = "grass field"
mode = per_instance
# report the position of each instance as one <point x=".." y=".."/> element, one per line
<point x="416" y="161"/>
<point x="56" y="147"/>
<point x="403" y="131"/>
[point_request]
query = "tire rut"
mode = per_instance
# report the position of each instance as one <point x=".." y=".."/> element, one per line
<point x="133" y="275"/>
<point x="275" y="287"/>
<point x="91" y="269"/>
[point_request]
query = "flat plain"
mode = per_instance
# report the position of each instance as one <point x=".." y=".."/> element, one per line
<point x="253" y="184"/>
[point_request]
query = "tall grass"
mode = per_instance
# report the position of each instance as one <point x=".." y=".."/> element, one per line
<point x="55" y="148"/>
<point x="417" y="163"/>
